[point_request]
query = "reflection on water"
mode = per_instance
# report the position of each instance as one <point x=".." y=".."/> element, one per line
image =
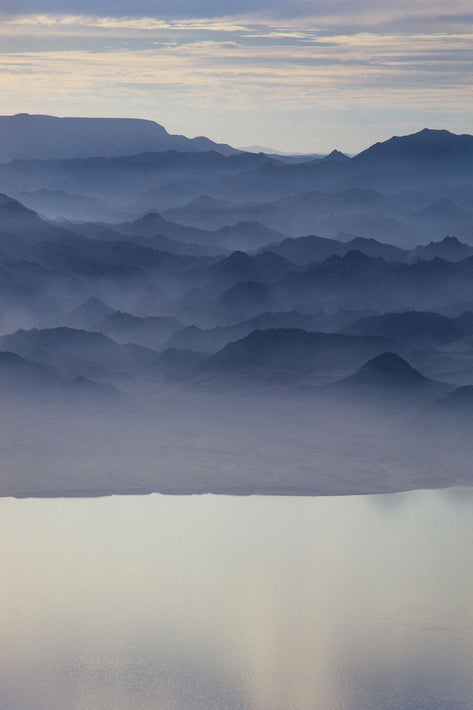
<point x="219" y="603"/>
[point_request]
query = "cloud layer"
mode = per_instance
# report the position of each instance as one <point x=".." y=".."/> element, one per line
<point x="297" y="74"/>
<point x="354" y="13"/>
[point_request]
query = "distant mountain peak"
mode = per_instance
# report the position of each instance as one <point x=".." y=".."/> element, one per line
<point x="355" y="255"/>
<point x="429" y="132"/>
<point x="335" y="156"/>
<point x="426" y="135"/>
<point x="208" y="202"/>
<point x="239" y="255"/>
<point x="451" y="242"/>
<point x="424" y="143"/>
<point x="389" y="362"/>
<point x="89" y="312"/>
<point x="95" y="301"/>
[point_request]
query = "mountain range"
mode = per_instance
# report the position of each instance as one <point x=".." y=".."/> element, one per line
<point x="166" y="301"/>
<point x="422" y="196"/>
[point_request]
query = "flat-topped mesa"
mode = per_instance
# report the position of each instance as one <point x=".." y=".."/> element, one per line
<point x="26" y="136"/>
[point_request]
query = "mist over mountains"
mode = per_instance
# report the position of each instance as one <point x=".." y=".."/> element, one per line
<point x="177" y="315"/>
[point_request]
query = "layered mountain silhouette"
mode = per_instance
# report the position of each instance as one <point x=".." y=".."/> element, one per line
<point x="409" y="202"/>
<point x="23" y="382"/>
<point x="213" y="339"/>
<point x="57" y="204"/>
<point x="363" y="282"/>
<point x="292" y="354"/>
<point x="92" y="311"/>
<point x="387" y="381"/>
<point x="449" y="248"/>
<point x="241" y="267"/>
<point x="414" y="327"/>
<point x="18" y="376"/>
<point x="150" y="332"/>
<point x="153" y="227"/>
<point x="74" y="353"/>
<point x="312" y="249"/>
<point x="443" y="217"/>
<point x="20" y="227"/>
<point x="186" y="317"/>
<point x="429" y="156"/>
<point x="35" y="136"/>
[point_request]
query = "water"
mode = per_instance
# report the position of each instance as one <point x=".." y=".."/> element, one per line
<point x="220" y="603"/>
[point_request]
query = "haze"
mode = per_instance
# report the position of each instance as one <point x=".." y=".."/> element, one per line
<point x="180" y="316"/>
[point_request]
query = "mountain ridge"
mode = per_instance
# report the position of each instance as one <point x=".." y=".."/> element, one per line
<point x="42" y="136"/>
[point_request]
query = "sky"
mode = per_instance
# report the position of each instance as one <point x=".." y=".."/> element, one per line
<point x="293" y="75"/>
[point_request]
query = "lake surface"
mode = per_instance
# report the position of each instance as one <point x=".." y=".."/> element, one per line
<point x="221" y="603"/>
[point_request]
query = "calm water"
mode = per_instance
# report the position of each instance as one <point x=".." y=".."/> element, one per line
<point x="219" y="603"/>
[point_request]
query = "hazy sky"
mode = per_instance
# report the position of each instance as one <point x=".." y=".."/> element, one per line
<point x="297" y="75"/>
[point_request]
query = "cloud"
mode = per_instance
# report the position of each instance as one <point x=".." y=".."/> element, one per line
<point x="152" y="8"/>
<point x="361" y="68"/>
<point x="283" y="62"/>
<point x="367" y="13"/>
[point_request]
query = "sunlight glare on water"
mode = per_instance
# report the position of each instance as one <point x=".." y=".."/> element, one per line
<point x="260" y="603"/>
